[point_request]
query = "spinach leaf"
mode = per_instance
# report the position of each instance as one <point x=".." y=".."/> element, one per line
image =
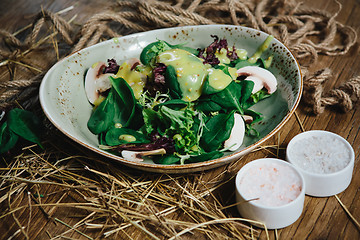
<point x="166" y="159"/>
<point x="25" y="124"/>
<point x="226" y="100"/>
<point x="172" y="82"/>
<point x="153" y="49"/>
<point x="246" y="89"/>
<point x="118" y="107"/>
<point x="205" y="157"/>
<point x="127" y="101"/>
<point x="149" y="52"/>
<point x="223" y="68"/>
<point x="217" y="130"/>
<point x="206" y="105"/>
<point x="112" y="137"/>
<point x="8" y="138"/>
<point x="181" y="46"/>
<point x="101" y="138"/>
<point x="229" y="98"/>
<point x="136" y="121"/>
<point x="207" y="88"/>
<point x="102" y="117"/>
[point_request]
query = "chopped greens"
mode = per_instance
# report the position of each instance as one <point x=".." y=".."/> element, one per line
<point x="184" y="101"/>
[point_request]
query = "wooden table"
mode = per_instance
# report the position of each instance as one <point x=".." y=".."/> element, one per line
<point x="322" y="218"/>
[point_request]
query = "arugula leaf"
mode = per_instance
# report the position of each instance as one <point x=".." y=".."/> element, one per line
<point x="249" y="129"/>
<point x="217" y="130"/>
<point x="25" y="124"/>
<point x="260" y="95"/>
<point x="256" y="97"/>
<point x="8" y="138"/>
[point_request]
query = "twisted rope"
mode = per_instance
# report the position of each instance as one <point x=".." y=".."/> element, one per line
<point x="307" y="31"/>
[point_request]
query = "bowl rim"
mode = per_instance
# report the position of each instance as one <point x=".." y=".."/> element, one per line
<point x="193" y="166"/>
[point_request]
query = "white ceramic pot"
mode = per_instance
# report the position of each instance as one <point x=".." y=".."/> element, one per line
<point x="270" y="209"/>
<point x="325" y="176"/>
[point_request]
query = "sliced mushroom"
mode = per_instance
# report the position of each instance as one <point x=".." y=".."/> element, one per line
<point x="138" y="156"/>
<point x="258" y="83"/>
<point x="248" y="118"/>
<point x="96" y="82"/>
<point x="261" y="77"/>
<point x="237" y="134"/>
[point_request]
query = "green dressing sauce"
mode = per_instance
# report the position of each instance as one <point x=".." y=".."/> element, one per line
<point x="261" y="49"/>
<point x="190" y="71"/>
<point x="218" y="79"/>
<point x="242" y="54"/>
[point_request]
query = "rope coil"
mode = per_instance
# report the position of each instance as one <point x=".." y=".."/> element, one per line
<point x="307" y="31"/>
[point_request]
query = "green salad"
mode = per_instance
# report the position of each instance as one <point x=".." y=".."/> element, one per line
<point x="177" y="104"/>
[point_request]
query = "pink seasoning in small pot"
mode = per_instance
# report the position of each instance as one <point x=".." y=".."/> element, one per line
<point x="270" y="184"/>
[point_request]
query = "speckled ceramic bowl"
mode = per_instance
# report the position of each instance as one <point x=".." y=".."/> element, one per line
<point x="64" y="102"/>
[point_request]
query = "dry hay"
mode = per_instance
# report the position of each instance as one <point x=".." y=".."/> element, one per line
<point x="110" y="200"/>
<point x="106" y="199"/>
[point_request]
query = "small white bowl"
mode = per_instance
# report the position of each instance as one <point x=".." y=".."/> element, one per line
<point x="268" y="179"/>
<point x="325" y="159"/>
